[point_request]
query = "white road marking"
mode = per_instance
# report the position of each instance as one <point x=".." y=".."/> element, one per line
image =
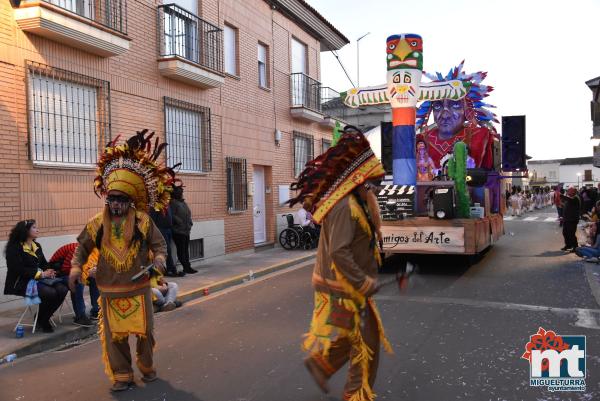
<point x="538" y="218"/>
<point x="588" y="318"/>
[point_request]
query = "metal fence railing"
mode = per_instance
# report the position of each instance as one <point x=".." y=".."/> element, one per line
<point x="306" y="91"/>
<point x="331" y="104"/>
<point x="69" y="115"/>
<point x="328" y="94"/>
<point x="183" y="34"/>
<point x="109" y="13"/>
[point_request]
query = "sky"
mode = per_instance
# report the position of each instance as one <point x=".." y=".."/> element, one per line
<point x="538" y="55"/>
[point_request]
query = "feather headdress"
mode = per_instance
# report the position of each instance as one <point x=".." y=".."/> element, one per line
<point x="476" y="113"/>
<point x="133" y="168"/>
<point x="337" y="172"/>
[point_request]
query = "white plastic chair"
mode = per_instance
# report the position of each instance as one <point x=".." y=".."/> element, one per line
<point x="69" y="306"/>
<point x="33" y="310"/>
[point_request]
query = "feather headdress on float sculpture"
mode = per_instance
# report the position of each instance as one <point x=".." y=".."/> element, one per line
<point x="133" y="168"/>
<point x="476" y="112"/>
<point x="334" y="174"/>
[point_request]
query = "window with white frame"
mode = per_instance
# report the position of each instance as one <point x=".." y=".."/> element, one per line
<point x="552" y="174"/>
<point x="230" y="39"/>
<point x="187" y="129"/>
<point x="263" y="71"/>
<point x="69" y="115"/>
<point x="303" y="151"/>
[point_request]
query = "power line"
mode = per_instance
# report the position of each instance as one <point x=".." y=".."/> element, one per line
<point x="343" y="68"/>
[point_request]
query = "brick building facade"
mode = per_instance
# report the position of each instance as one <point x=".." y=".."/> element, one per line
<point x="74" y="73"/>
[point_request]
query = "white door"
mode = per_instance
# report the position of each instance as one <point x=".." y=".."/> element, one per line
<point x="259" y="209"/>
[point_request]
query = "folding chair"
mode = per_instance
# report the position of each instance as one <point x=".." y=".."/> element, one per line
<point x="69" y="306"/>
<point x="33" y="309"/>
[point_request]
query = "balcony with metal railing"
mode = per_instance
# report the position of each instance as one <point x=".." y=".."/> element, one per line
<point x="305" y="95"/>
<point x="313" y="102"/>
<point x="190" y="48"/>
<point x="96" y="26"/>
<point x="332" y="107"/>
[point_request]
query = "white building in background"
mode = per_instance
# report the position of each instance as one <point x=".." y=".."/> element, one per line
<point x="576" y="171"/>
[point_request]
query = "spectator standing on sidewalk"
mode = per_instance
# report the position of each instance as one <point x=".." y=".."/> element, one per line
<point x="558" y="201"/>
<point x="571" y="215"/>
<point x="61" y="260"/>
<point x="164" y="222"/>
<point x="26" y="266"/>
<point x="182" y="227"/>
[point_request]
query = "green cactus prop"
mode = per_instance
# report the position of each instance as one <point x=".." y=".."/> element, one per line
<point x="457" y="170"/>
<point x="337" y="133"/>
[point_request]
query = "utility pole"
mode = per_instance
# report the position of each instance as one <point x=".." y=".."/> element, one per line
<point x="358" y="59"/>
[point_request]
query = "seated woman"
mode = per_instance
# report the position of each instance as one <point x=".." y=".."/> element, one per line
<point x="26" y="262"/>
<point x="590" y="252"/>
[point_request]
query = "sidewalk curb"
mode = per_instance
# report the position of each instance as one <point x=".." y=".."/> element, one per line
<point x="54" y="341"/>
<point x="239" y="279"/>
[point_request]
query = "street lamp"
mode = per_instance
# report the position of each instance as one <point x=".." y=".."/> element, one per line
<point x="358" y="58"/>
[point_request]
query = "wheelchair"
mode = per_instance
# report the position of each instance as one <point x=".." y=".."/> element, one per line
<point x="295" y="237"/>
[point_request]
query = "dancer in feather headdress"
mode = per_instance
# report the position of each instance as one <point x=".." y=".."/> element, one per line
<point x="345" y="324"/>
<point x="133" y="181"/>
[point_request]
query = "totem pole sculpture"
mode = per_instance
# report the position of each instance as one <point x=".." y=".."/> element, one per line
<point x="402" y="91"/>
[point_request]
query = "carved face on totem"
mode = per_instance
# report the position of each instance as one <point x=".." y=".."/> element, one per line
<point x="405" y="51"/>
<point x="405" y="68"/>
<point x="449" y="116"/>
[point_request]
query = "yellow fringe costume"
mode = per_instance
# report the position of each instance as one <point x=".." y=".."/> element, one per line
<point x="322" y="332"/>
<point x="121" y="246"/>
<point x="345" y="325"/>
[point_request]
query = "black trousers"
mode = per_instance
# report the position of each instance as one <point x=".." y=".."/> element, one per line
<point x="52" y="297"/>
<point x="182" y="243"/>
<point x="569" y="230"/>
<point x="168" y="236"/>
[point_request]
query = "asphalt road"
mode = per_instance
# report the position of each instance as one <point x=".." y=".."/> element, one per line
<point x="458" y="334"/>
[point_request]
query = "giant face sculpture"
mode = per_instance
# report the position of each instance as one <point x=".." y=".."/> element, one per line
<point x="449" y="116"/>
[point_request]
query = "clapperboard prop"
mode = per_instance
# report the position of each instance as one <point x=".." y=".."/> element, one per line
<point x="396" y="201"/>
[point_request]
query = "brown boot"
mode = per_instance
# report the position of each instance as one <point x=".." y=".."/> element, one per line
<point x="150" y="377"/>
<point x="317" y="375"/>
<point x="119" y="386"/>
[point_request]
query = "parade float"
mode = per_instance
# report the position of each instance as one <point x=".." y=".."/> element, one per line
<point x="443" y="195"/>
